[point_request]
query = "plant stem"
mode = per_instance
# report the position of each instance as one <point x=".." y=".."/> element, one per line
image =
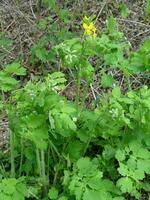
<point x="21" y="159"/>
<point x="84" y="96"/>
<point x="129" y="84"/>
<point x="38" y="162"/>
<point x="86" y="146"/>
<point x="12" y="154"/>
<point x="48" y="164"/>
<point x="78" y="83"/>
<point x="43" y="172"/>
<point x="3" y="96"/>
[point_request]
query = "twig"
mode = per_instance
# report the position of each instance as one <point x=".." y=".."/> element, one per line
<point x="135" y="22"/>
<point x="34" y="16"/>
<point x="141" y="33"/>
<point x="103" y="6"/>
<point x="92" y="89"/>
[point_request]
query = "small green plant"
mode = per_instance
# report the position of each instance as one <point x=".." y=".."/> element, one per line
<point x="12" y="189"/>
<point x="8" y="81"/>
<point x="133" y="166"/>
<point x="5" y="44"/>
<point x="86" y="182"/>
<point x="124" y="10"/>
<point x="147" y="7"/>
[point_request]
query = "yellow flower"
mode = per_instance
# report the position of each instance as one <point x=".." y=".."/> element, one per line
<point x="91" y="26"/>
<point x="89" y="29"/>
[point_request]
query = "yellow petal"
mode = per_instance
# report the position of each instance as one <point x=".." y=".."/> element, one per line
<point x="94" y="29"/>
<point x="91" y="25"/>
<point x="94" y="36"/>
<point x="85" y="26"/>
<point x="85" y="18"/>
<point x="87" y="32"/>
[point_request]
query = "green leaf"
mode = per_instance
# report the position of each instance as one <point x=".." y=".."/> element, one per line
<point x="86" y="167"/>
<point x="38" y="136"/>
<point x="124" y="10"/>
<point x="146" y="46"/>
<point x="64" y="15"/>
<point x="131" y="163"/>
<point x="123" y="169"/>
<point x="4" y="196"/>
<point x="63" y="198"/>
<point x="107" y="81"/>
<point x="41" y="53"/>
<point x="125" y="184"/>
<point x="118" y="198"/>
<point x="7" y="83"/>
<point x="43" y="24"/>
<point x="145" y="186"/>
<point x="66" y="177"/>
<point x="51" y="3"/>
<point x="148" y="7"/>
<point x="120" y="155"/>
<point x="143" y="153"/>
<point x="137" y="174"/>
<point x="111" y="25"/>
<point x="116" y="92"/>
<point x="143" y="165"/>
<point x="17" y="195"/>
<point x="53" y="193"/>
<point x="75" y="148"/>
<point x="15" y="68"/>
<point x="5" y="42"/>
<point x="96" y="195"/>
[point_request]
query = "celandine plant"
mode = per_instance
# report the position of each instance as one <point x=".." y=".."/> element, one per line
<point x="60" y="150"/>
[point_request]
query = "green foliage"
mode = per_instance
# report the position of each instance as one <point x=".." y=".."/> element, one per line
<point x="53" y="193"/>
<point x="51" y="3"/>
<point x="107" y="81"/>
<point x="124" y="10"/>
<point x="5" y="44"/>
<point x="85" y="182"/>
<point x="133" y="166"/>
<point x="7" y="80"/>
<point x="11" y="189"/>
<point x="46" y="121"/>
<point x="69" y="151"/>
<point x="147" y="7"/>
<point x="139" y="61"/>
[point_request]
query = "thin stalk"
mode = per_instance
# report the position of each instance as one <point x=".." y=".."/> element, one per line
<point x="56" y="173"/>
<point x="129" y="84"/>
<point x="38" y="162"/>
<point x="86" y="146"/>
<point x="3" y="96"/>
<point x="12" y="154"/>
<point x="48" y="163"/>
<point x="78" y="83"/>
<point x="84" y="97"/>
<point x="43" y="171"/>
<point x="21" y="159"/>
<point x="54" y="147"/>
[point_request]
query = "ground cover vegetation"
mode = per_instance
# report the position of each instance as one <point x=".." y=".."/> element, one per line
<point x="82" y="148"/>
